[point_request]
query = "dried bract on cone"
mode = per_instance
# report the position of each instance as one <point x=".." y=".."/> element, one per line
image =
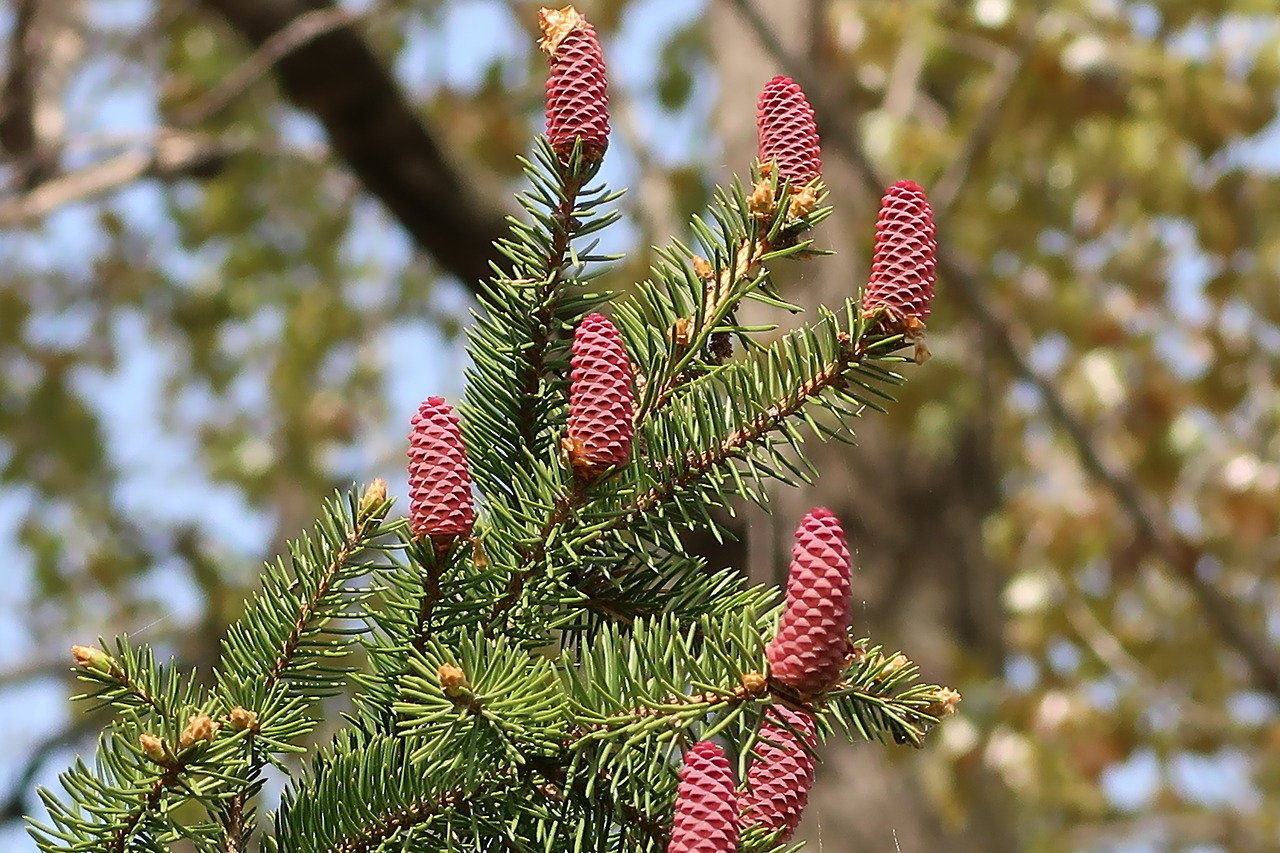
<point x="577" y="92"/>
<point x="787" y="131"/>
<point x="440" y="502"/>
<point x="809" y="650"/>
<point x="601" y="400"/>
<point x="903" y="268"/>
<point x="781" y="772"/>
<point x="706" y="812"/>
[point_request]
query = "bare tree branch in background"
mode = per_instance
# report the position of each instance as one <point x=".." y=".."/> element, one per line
<point x="18" y="100"/>
<point x="335" y="76"/>
<point x="309" y="26"/>
<point x="1009" y="67"/>
<point x="1149" y="523"/>
<point x="173" y="155"/>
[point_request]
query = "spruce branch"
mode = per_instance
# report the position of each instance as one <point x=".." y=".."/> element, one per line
<point x="276" y="651"/>
<point x="694" y="298"/>
<point x="131" y="680"/>
<point x="125" y="802"/>
<point x="514" y="405"/>
<point x="275" y="658"/>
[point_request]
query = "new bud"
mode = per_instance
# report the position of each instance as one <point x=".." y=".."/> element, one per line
<point x="91" y="657"/>
<point x="375" y="494"/>
<point x="153" y="748"/>
<point x="200" y="727"/>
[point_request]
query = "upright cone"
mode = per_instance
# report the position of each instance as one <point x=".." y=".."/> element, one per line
<point x="787" y="131"/>
<point x="706" y="812"/>
<point x="440" y="502"/>
<point x="781" y="772"/>
<point x="601" y="400"/>
<point x="903" y="268"/>
<point x="577" y="91"/>
<point x="808" y="652"/>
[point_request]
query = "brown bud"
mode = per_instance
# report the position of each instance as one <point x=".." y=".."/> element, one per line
<point x="702" y="268"/>
<point x="453" y="680"/>
<point x="374" y="496"/>
<point x="944" y="704"/>
<point x="803" y="202"/>
<point x="90" y="657"/>
<point x="754" y="683"/>
<point x="199" y="727"/>
<point x="896" y="663"/>
<point x="760" y="202"/>
<point x="153" y="748"/>
<point x="680" y="332"/>
<point x="242" y="718"/>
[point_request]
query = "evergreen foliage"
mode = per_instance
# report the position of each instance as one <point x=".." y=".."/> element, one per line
<point x="532" y="686"/>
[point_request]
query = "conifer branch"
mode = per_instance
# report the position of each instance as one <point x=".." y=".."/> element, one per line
<point x="692" y="335"/>
<point x="544" y="647"/>
<point x="766" y="225"/>
<point x="697" y="464"/>
<point x="119" y="686"/>
<point x="312" y="610"/>
<point x="317" y="600"/>
<point x="545" y="328"/>
<point x="150" y="804"/>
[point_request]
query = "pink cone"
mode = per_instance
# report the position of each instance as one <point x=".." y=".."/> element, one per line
<point x="781" y="772"/>
<point x="787" y="131"/>
<point x="706" y="811"/>
<point x="577" y="91"/>
<point x="903" y="268"/>
<point x="601" y="400"/>
<point x="808" y="652"/>
<point x="440" y="502"/>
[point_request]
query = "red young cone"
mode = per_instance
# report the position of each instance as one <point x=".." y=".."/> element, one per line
<point x="601" y="402"/>
<point x="903" y="269"/>
<point x="706" y="813"/>
<point x="440" y="502"/>
<point x="809" y="650"/>
<point x="577" y="92"/>
<point x="788" y="132"/>
<point x="781" y="772"/>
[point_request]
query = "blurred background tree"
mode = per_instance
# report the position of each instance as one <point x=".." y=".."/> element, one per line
<point x="239" y="238"/>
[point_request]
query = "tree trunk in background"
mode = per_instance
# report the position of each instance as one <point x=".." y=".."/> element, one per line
<point x="914" y="517"/>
